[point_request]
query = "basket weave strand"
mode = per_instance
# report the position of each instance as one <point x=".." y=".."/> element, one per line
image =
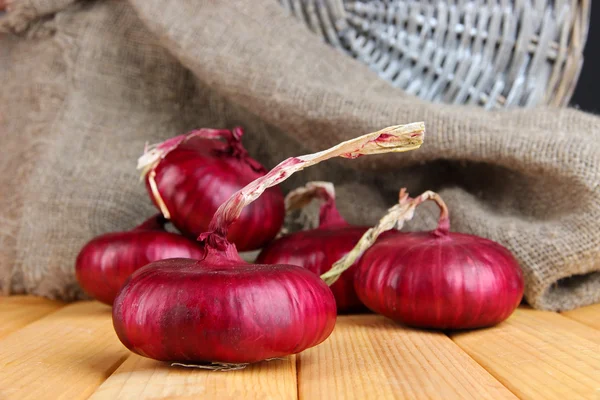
<point x="491" y="53"/>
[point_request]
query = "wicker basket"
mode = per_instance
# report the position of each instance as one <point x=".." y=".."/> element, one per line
<point x="491" y="53"/>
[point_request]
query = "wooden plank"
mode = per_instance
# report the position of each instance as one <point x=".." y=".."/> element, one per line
<point x="18" y="311"/>
<point x="539" y="355"/>
<point x="371" y="357"/>
<point x="535" y="318"/>
<point x="142" y="378"/>
<point x="65" y="355"/>
<point x="589" y="315"/>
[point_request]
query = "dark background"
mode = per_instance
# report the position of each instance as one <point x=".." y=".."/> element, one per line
<point x="587" y="92"/>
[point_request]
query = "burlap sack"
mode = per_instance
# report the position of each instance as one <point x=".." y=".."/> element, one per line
<point x="86" y="84"/>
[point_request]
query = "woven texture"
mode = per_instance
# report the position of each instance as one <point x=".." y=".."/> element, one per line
<point x="79" y="102"/>
<point x="494" y="54"/>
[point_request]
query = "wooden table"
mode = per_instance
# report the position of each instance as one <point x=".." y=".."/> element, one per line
<point x="51" y="350"/>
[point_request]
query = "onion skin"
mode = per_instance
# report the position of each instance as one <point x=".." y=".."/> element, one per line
<point x="105" y="263"/>
<point x="218" y="310"/>
<point x="200" y="173"/>
<point x="439" y="280"/>
<point x="317" y="249"/>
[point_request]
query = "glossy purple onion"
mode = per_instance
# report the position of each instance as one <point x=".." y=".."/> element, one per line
<point x="194" y="174"/>
<point x="222" y="310"/>
<point x="317" y="249"/>
<point x="105" y="262"/>
<point x="439" y="279"/>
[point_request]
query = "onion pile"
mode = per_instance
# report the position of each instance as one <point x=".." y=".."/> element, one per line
<point x="198" y="302"/>
<point x="438" y="279"/>
<point x="188" y="177"/>
<point x="317" y="249"/>
<point x="105" y="262"/>
<point x="225" y="312"/>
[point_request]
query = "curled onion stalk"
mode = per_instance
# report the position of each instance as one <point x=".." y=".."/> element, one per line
<point x="220" y="311"/>
<point x="399" y="138"/>
<point x="189" y="176"/>
<point x="317" y="249"/>
<point x="438" y="279"/>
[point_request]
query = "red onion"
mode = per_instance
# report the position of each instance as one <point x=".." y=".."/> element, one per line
<point x="188" y="177"/>
<point x="105" y="263"/>
<point x="317" y="249"/>
<point x="224" y="311"/>
<point x="221" y="309"/>
<point x="438" y="279"/>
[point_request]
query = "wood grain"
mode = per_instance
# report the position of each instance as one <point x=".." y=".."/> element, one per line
<point x="142" y="378"/>
<point x="18" y="311"/>
<point x="70" y="352"/>
<point x="65" y="355"/>
<point x="371" y="357"/>
<point x="534" y="318"/>
<point x="589" y="315"/>
<point x="539" y="355"/>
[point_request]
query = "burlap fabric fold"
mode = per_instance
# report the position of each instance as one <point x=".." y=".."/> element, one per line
<point x="86" y="83"/>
